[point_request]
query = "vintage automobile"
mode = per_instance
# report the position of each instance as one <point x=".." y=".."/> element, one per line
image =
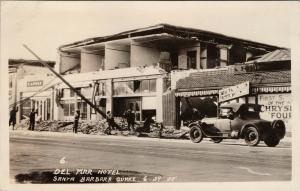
<point x="238" y="120"/>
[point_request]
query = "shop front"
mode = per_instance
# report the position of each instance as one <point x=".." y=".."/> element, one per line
<point x="111" y="92"/>
<point x="36" y="92"/>
<point x="138" y="95"/>
<point x="271" y="89"/>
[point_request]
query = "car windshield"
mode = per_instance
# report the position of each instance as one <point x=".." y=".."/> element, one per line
<point x="250" y="112"/>
<point x="224" y="112"/>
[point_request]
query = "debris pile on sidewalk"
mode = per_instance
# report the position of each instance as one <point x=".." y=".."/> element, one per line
<point x="24" y="124"/>
<point x="55" y="126"/>
<point x="170" y="132"/>
<point x="100" y="128"/>
<point x="92" y="127"/>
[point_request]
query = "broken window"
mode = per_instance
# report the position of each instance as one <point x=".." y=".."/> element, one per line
<point x="191" y="59"/>
<point x="134" y="87"/>
<point x="72" y="93"/>
<point x="69" y="109"/>
<point x="82" y="106"/>
<point x="237" y="55"/>
<point x="223" y="57"/>
<point x="212" y="56"/>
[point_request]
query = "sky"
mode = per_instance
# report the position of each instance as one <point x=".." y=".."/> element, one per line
<point x="44" y="26"/>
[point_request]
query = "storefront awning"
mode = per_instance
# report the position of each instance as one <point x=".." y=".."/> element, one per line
<point x="275" y="89"/>
<point x="202" y="83"/>
<point x="197" y="93"/>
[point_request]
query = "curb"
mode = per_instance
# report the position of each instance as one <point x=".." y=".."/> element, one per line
<point x="287" y="141"/>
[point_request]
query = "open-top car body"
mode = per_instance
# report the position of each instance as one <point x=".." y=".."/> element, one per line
<point x="238" y="120"/>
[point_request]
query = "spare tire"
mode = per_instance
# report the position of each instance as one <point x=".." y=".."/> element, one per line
<point x="196" y="134"/>
<point x="279" y="128"/>
<point x="272" y="140"/>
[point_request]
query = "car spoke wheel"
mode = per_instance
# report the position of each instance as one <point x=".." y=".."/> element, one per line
<point x="272" y="141"/>
<point x="196" y="134"/>
<point x="252" y="136"/>
<point x="217" y="139"/>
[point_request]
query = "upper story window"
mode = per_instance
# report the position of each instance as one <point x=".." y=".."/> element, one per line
<point x="73" y="94"/>
<point x="134" y="87"/>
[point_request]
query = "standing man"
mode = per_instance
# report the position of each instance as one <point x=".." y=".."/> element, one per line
<point x="130" y="119"/>
<point x="12" y="116"/>
<point x="32" y="119"/>
<point x="76" y="120"/>
<point x="110" y="122"/>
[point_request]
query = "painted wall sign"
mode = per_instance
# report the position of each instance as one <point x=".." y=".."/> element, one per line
<point x="276" y="106"/>
<point x="234" y="91"/>
<point x="34" y="83"/>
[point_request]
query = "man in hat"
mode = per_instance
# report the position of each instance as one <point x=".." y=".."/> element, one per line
<point x="12" y="116"/>
<point x="76" y="120"/>
<point x="32" y="119"/>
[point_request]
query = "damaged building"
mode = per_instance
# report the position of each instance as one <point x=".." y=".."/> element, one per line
<point x="29" y="88"/>
<point x="139" y="69"/>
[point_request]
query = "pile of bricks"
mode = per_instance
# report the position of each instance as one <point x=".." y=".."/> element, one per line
<point x="99" y="127"/>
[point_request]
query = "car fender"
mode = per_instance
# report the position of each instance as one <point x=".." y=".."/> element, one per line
<point x="195" y="123"/>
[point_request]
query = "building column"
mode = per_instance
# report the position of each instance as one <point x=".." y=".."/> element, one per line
<point x="43" y="109"/>
<point x="109" y="95"/>
<point x="203" y="57"/>
<point x="159" y="99"/>
<point x="51" y="103"/>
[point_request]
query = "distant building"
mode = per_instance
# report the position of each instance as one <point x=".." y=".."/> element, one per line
<point x="28" y="80"/>
<point x="139" y="69"/>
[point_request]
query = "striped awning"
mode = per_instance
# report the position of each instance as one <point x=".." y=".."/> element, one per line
<point x="275" y="89"/>
<point x="197" y="93"/>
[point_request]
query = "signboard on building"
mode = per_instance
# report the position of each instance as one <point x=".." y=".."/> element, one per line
<point x="276" y="106"/>
<point x="34" y="83"/>
<point x="233" y="92"/>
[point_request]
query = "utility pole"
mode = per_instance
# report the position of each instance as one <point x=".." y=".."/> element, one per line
<point x="68" y="84"/>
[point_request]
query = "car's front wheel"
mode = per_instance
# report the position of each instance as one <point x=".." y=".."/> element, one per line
<point x="272" y="141"/>
<point x="252" y="136"/>
<point x="196" y="134"/>
<point x="217" y="139"/>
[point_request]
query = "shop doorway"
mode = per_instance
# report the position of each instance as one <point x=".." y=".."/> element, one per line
<point x="120" y="105"/>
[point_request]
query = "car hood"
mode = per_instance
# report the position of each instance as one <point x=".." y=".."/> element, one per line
<point x="209" y="120"/>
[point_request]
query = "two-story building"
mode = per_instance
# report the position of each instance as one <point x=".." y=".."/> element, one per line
<point x="139" y="68"/>
<point x="29" y="83"/>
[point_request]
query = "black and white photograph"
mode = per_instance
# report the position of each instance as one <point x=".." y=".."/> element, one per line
<point x="196" y="95"/>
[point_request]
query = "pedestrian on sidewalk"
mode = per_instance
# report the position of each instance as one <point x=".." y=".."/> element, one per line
<point x="110" y="122"/>
<point x="32" y="119"/>
<point x="12" y="116"/>
<point x="76" y="120"/>
<point x="130" y="117"/>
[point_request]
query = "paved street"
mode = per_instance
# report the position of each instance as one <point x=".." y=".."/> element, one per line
<point x="206" y="161"/>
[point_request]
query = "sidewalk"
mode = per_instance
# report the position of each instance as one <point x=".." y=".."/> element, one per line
<point x="287" y="141"/>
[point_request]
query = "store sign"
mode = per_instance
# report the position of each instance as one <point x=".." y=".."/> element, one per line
<point x="234" y="91"/>
<point x="34" y="83"/>
<point x="276" y="106"/>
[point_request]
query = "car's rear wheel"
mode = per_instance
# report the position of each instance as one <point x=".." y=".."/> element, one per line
<point x="252" y="137"/>
<point x="217" y="139"/>
<point x="272" y="141"/>
<point x="196" y="134"/>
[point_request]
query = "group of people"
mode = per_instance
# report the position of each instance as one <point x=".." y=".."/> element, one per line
<point x="130" y="118"/>
<point x="13" y="118"/>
